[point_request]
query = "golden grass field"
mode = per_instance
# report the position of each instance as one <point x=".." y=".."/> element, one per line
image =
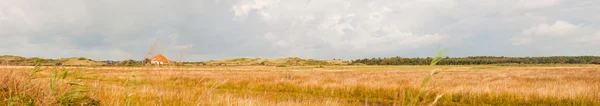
<point x="300" y="85"/>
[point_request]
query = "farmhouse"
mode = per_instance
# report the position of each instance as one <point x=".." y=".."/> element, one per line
<point x="159" y="59"/>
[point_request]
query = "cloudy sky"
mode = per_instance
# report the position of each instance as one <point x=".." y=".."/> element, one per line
<point x="196" y="30"/>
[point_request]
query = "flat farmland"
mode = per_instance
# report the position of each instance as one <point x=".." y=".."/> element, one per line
<point x="301" y="85"/>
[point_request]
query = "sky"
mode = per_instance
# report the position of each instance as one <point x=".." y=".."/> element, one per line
<point x="199" y="30"/>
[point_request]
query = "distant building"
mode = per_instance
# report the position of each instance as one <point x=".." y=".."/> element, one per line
<point x="58" y="64"/>
<point x="159" y="59"/>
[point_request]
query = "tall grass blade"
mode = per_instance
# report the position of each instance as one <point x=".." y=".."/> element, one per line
<point x="64" y="74"/>
<point x="438" y="56"/>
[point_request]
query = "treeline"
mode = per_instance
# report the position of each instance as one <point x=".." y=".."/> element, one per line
<point x="479" y="60"/>
<point x="76" y="61"/>
<point x="472" y="60"/>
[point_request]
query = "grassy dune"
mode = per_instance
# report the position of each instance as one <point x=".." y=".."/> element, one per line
<point x="302" y="85"/>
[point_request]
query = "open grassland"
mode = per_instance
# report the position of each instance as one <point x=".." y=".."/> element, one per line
<point x="301" y="85"/>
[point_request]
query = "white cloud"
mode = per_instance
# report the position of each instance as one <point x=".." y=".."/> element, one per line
<point x="531" y="4"/>
<point x="337" y="26"/>
<point x="558" y="34"/>
<point x="559" y="28"/>
<point x="242" y="10"/>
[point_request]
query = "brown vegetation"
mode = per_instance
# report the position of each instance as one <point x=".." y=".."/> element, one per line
<point x="292" y="61"/>
<point x="331" y="85"/>
<point x="597" y="61"/>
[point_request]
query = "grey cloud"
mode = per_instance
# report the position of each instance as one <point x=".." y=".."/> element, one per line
<point x="323" y="29"/>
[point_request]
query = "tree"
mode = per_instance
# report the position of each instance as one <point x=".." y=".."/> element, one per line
<point x="147" y="61"/>
<point x="474" y="60"/>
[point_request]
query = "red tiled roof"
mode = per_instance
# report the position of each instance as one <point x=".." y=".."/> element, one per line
<point x="160" y="58"/>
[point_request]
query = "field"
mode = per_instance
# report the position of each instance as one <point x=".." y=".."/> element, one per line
<point x="301" y="85"/>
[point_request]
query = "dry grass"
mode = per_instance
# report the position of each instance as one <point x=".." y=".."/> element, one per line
<point x="332" y="85"/>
